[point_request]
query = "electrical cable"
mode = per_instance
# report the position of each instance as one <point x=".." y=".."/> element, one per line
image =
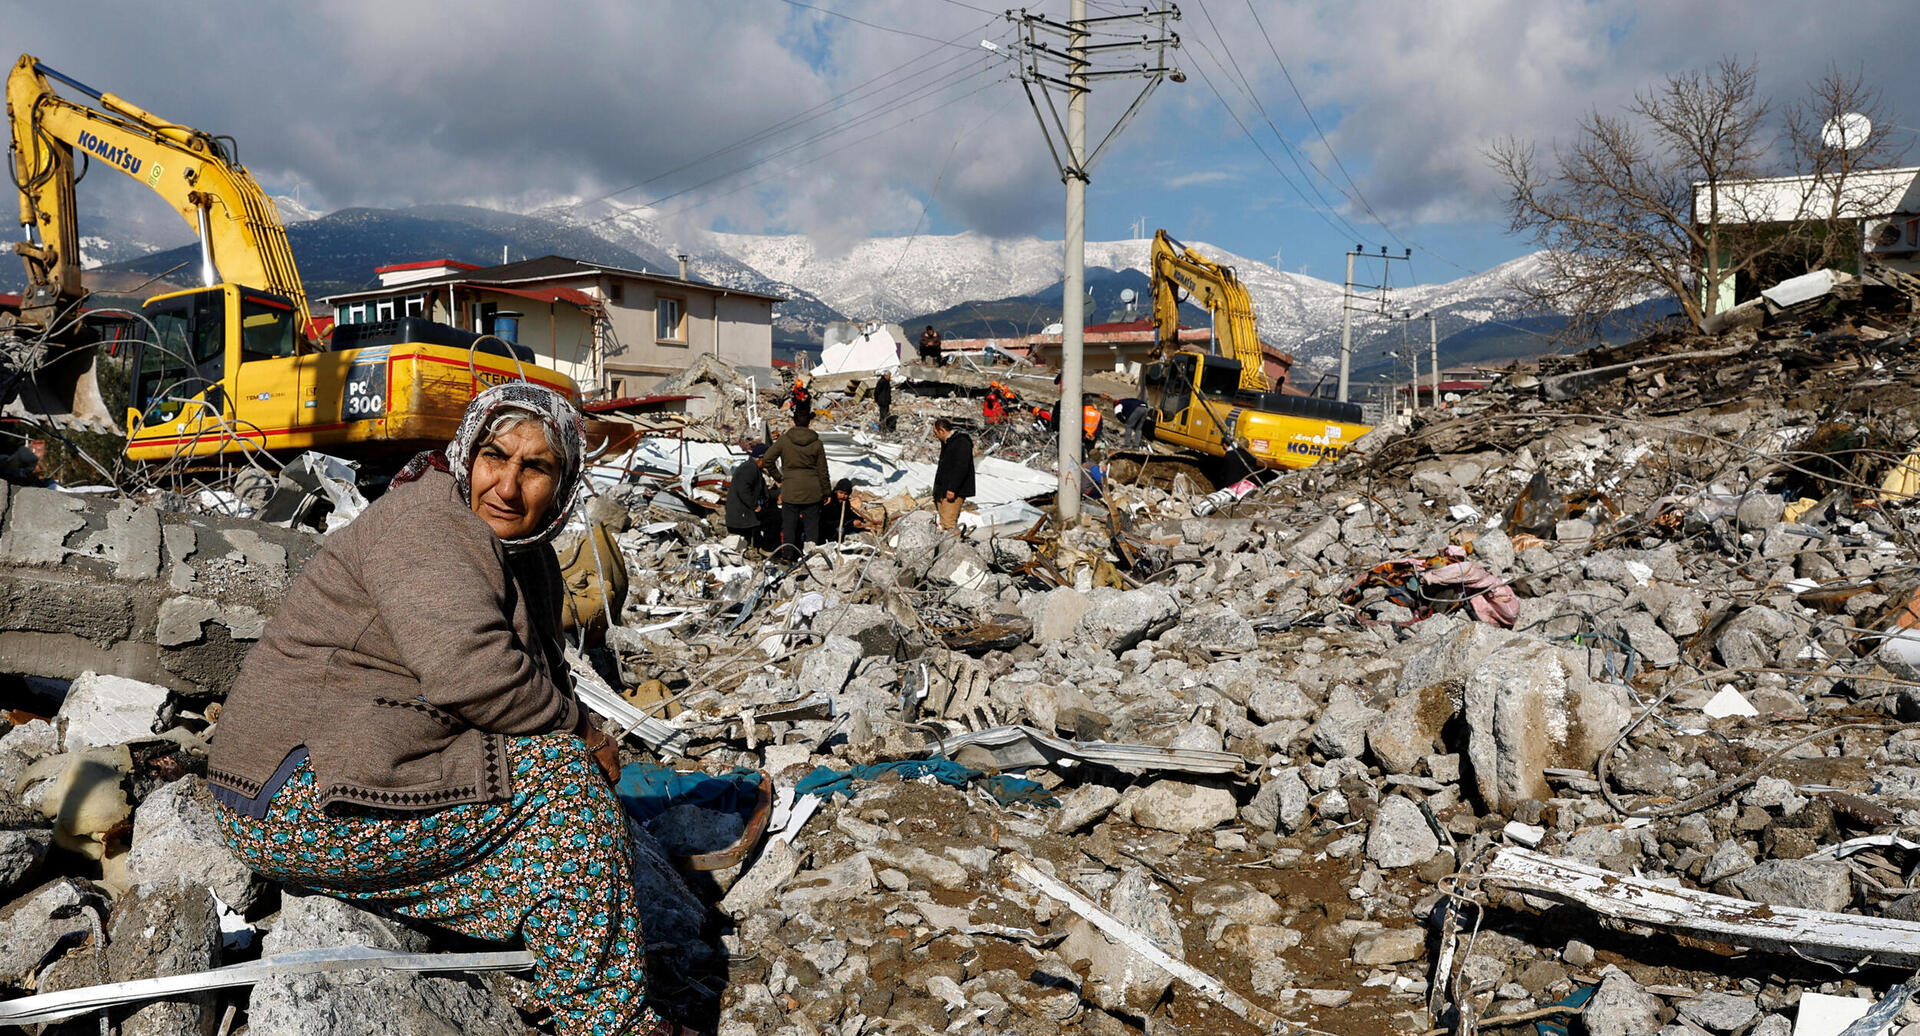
<point x="1278" y="60"/>
<point x="876" y="25"/>
<point x="1346" y="230"/>
<point x="1246" y="89"/>
<point x="798" y="119"/>
<point x="808" y="161"/>
<point x="933" y="191"/>
<point x="923" y="91"/>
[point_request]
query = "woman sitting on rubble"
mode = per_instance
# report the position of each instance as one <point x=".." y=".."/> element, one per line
<point x="405" y="735"/>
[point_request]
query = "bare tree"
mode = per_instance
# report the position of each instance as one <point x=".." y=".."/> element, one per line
<point x="1639" y="203"/>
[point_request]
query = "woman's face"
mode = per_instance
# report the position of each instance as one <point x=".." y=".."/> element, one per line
<point x="514" y="477"/>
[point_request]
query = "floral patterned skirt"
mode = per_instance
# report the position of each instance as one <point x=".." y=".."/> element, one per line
<point x="553" y="867"/>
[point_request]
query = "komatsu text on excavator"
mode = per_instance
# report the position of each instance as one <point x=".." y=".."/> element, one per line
<point x="1218" y="407"/>
<point x="229" y="367"/>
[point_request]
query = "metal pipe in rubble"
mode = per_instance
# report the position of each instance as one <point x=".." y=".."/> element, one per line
<point x="1073" y="314"/>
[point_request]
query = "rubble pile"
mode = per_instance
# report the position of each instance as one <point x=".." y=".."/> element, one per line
<point x="1584" y="701"/>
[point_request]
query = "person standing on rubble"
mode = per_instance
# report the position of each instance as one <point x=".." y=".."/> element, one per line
<point x="747" y="496"/>
<point x="405" y="735"/>
<point x="801" y="460"/>
<point x="930" y="347"/>
<point x="883" y="398"/>
<point x="953" y="478"/>
<point x="799" y="400"/>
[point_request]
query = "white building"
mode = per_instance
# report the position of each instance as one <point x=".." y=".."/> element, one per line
<point x="1884" y="202"/>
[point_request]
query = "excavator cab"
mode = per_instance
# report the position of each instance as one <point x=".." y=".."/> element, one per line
<point x="206" y="347"/>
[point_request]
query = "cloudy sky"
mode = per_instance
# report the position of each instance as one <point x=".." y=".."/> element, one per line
<point x="1303" y="127"/>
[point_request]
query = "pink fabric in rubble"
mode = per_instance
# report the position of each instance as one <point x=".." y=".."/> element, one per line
<point x="1493" y="600"/>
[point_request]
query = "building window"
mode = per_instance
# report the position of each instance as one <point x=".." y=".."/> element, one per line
<point x="383" y="309"/>
<point x="416" y="306"/>
<point x="616" y="292"/>
<point x="353" y="314"/>
<point x="670" y="319"/>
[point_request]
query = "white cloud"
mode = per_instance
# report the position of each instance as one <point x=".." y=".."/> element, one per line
<point x="373" y="102"/>
<point x="1198" y="178"/>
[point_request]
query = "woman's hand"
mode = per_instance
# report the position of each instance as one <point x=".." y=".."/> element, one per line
<point x="601" y="748"/>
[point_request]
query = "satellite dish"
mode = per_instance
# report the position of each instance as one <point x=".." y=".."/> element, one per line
<point x="1846" y="131"/>
<point x="1127" y="296"/>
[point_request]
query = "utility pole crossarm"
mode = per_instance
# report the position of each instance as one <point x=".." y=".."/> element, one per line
<point x="1070" y="157"/>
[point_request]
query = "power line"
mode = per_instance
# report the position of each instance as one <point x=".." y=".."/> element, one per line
<point x="798" y="119"/>
<point x="1358" y="199"/>
<point x="919" y="92"/>
<point x="876" y="25"/>
<point x="1345" y="231"/>
<point x="933" y="191"/>
<point x="971" y="7"/>
<point x="882" y="131"/>
<point x="1246" y="88"/>
<point x="1357" y="195"/>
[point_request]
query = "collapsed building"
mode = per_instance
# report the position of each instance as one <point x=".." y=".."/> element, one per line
<point x="1587" y="700"/>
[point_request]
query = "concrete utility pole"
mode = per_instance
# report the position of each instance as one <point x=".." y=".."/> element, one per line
<point x="1346" y="328"/>
<point x="1075" y="70"/>
<point x="1348" y="299"/>
<point x="1433" y="343"/>
<point x="1073" y="312"/>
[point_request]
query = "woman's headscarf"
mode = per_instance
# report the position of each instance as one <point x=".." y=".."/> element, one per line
<point x="565" y="430"/>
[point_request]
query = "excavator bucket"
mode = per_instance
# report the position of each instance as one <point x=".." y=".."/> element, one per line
<point x="51" y="383"/>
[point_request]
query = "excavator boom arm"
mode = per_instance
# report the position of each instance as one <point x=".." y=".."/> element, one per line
<point x="198" y="177"/>
<point x="1214" y="288"/>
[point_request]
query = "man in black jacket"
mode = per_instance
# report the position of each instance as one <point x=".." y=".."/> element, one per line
<point x="747" y="496"/>
<point x="883" y="398"/>
<point x="953" y="478"/>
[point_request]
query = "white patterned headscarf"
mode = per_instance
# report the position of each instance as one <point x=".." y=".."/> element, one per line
<point x="562" y="424"/>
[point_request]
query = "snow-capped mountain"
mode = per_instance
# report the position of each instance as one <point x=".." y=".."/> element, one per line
<point x="894" y="279"/>
<point x="901" y="278"/>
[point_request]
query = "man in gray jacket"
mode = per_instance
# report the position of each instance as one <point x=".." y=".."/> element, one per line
<point x="801" y="461"/>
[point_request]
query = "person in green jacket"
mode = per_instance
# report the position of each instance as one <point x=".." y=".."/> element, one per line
<point x="800" y="460"/>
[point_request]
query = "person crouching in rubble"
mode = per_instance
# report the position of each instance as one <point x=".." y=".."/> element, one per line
<point x="844" y="516"/>
<point x="405" y="735"/>
<point x="804" y="484"/>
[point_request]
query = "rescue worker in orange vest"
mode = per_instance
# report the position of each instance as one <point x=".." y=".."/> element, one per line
<point x="1090" y="417"/>
<point x="991" y="407"/>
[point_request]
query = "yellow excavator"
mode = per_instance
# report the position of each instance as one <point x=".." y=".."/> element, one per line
<point x="232" y="366"/>
<point x="1218" y="407"/>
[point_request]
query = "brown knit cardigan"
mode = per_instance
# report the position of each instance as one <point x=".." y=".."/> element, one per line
<point x="411" y="646"/>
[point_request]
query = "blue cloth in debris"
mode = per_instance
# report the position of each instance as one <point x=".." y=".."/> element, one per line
<point x="650" y="789"/>
<point x="1556" y="1025"/>
<point x="825" y="781"/>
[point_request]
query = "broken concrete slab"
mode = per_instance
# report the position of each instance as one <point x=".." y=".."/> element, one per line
<point x="1130" y="618"/>
<point x="1400" y="835"/>
<point x="1528" y="708"/>
<point x="166" y="928"/>
<point x="1182" y="807"/>
<point x="176" y="837"/>
<point x="375" y="1003"/>
<point x="102" y="710"/>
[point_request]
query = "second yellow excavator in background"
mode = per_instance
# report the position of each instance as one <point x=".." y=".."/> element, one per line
<point x="1218" y="408"/>
<point x="230" y="368"/>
